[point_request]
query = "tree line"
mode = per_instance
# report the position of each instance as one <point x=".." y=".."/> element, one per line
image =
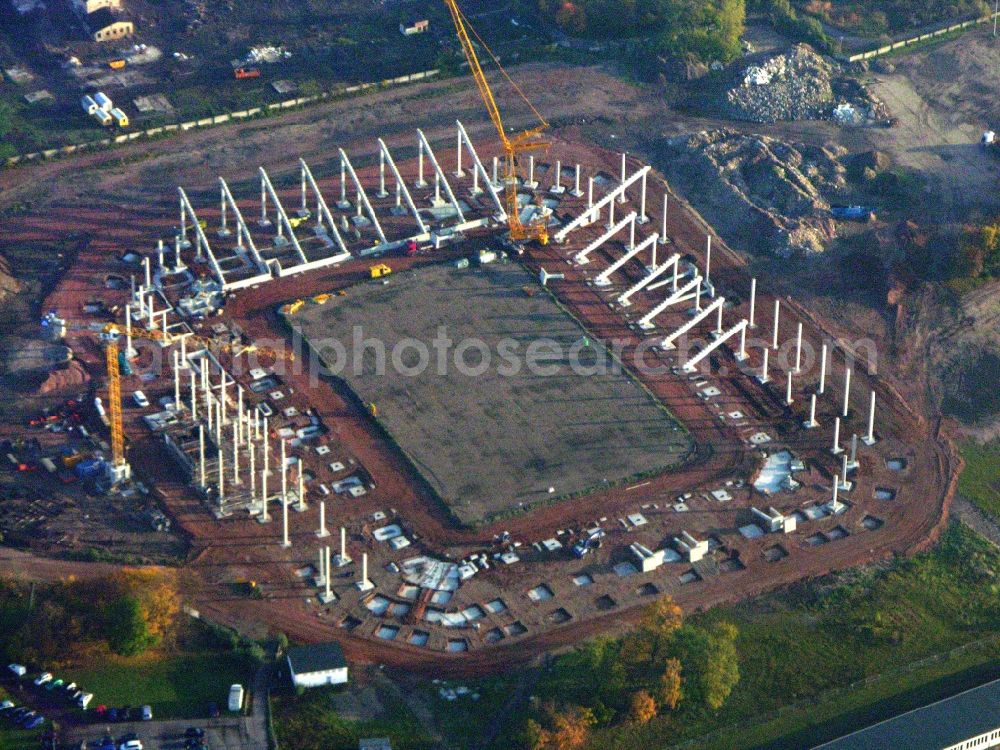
<point x="126" y="613"/>
<point x="705" y="29"/>
<point x="662" y="667"/>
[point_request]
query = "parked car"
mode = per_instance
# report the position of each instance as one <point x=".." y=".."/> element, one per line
<point x="18" y="669"/>
<point x="19" y="713"/>
<point x="53" y="684"/>
<point x="26" y="718"/>
<point x="124" y="713"/>
<point x="43" y="678"/>
<point x="140" y="399"/>
<point x="35" y="722"/>
<point x="112" y="714"/>
<point x="84" y="700"/>
<point x="6" y="706"/>
<point x="213" y="710"/>
<point x="131" y="745"/>
<point x="195" y="732"/>
<point x="236" y="697"/>
<point x="147" y="713"/>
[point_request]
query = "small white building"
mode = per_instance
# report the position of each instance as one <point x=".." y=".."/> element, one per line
<point x="690" y="547"/>
<point x="645" y="558"/>
<point x="317" y="665"/>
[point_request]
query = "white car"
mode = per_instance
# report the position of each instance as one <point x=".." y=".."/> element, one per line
<point x="236" y="698"/>
<point x="43" y="678"/>
<point x="84" y="700"/>
<point x="19" y="669"/>
<point x="140" y="399"/>
<point x="131" y="745"/>
<point x="7" y="704"/>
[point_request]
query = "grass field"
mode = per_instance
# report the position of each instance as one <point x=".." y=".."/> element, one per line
<point x="178" y="685"/>
<point x="811" y="657"/>
<point x="311" y="722"/>
<point x="980" y="480"/>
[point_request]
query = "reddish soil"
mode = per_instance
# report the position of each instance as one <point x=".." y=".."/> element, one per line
<point x="238" y="548"/>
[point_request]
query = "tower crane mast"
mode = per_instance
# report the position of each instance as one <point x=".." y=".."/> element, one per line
<point x="526" y="141"/>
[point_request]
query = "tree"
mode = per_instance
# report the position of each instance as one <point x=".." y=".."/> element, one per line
<point x="670" y="687"/>
<point x="648" y="645"/>
<point x="567" y="729"/>
<point x="710" y="660"/>
<point x="642" y="707"/>
<point x="156" y="590"/>
<point x="723" y="670"/>
<point x="126" y="627"/>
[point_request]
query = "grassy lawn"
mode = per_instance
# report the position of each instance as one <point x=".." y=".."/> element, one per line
<point x="311" y="722"/>
<point x="980" y="481"/>
<point x="176" y="685"/>
<point x="800" y="649"/>
<point x="463" y="720"/>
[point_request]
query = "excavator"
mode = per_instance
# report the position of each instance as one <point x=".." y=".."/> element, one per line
<point x="110" y="334"/>
<point x="520" y="143"/>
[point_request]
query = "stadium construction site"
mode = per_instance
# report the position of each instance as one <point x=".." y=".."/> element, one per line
<point x="681" y="431"/>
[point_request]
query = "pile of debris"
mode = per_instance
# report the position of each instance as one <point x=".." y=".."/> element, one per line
<point x="795" y="85"/>
<point x="799" y="85"/>
<point x="8" y="284"/>
<point x="763" y="193"/>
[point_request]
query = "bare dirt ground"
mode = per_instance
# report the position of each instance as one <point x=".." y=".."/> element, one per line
<point x="492" y="444"/>
<point x="124" y="200"/>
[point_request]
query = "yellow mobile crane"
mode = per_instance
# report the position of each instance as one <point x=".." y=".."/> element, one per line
<point x="110" y="334"/>
<point x="528" y="140"/>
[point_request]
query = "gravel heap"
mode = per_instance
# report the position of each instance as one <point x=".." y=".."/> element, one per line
<point x="795" y="85"/>
<point x="771" y="193"/>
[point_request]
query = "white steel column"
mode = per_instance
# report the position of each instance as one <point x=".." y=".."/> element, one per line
<point x="869" y="439"/>
<point x="581" y="257"/>
<point x="679" y="296"/>
<point x="789" y="399"/>
<point x="847" y="391"/>
<point x="692" y="363"/>
<point x="777" y="313"/>
<point x="836" y="450"/>
<point x="822" y="370"/>
<point x="579" y="221"/>
<point x="798" y="350"/>
<point x="763" y="378"/>
<point x="644" y="282"/>
<point x="603" y="279"/>
<point x="361" y="194"/>
<point x="668" y="342"/>
<point x="322" y="531"/>
<point x="812" y="413"/>
<point x="753" y="302"/>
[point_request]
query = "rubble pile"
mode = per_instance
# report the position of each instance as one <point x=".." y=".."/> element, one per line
<point x="771" y="192"/>
<point x="800" y="85"/>
<point x="796" y="85"/>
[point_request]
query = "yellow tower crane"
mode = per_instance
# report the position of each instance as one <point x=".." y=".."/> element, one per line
<point x="528" y="140"/>
<point x="110" y="334"/>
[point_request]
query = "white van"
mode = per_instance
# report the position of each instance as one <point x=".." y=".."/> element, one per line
<point x="236" y="698"/>
<point x="140" y="399"/>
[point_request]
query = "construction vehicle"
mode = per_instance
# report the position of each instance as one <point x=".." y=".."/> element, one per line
<point x="293" y="307"/>
<point x="242" y="73"/>
<point x="110" y="333"/>
<point x="520" y="143"/>
<point x="379" y="270"/>
<point x="116" y="64"/>
<point x="321" y="299"/>
<point x="295" y="221"/>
